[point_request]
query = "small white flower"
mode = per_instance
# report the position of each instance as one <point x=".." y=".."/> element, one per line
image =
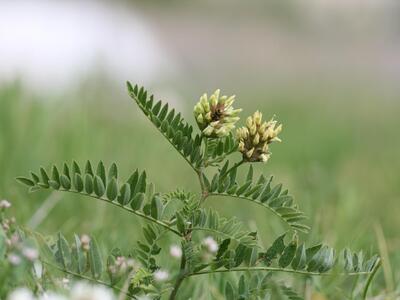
<point x="21" y="294"/>
<point x="161" y="275"/>
<point x="211" y="244"/>
<point x="30" y="253"/>
<point x="65" y="283"/>
<point x="4" y="204"/>
<point x="85" y="242"/>
<point x="84" y="291"/>
<point x="52" y="296"/>
<point x="14" y="259"/>
<point x="175" y="251"/>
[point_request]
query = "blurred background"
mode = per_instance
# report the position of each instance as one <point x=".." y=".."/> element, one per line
<point x="328" y="69"/>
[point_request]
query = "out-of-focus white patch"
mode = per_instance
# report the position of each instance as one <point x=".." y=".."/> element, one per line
<point x="21" y="294"/>
<point x="55" y="44"/>
<point x="161" y="275"/>
<point x="85" y="291"/>
<point x="175" y="251"/>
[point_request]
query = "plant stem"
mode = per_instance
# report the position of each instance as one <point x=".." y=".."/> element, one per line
<point x="179" y="280"/>
<point x="272" y="269"/>
<point x="370" y="277"/>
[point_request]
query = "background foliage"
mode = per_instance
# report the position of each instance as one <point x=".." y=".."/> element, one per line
<point x="338" y="184"/>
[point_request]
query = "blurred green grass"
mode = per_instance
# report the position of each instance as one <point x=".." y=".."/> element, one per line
<point x="339" y="158"/>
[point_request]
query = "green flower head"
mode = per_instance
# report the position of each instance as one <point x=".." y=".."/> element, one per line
<point x="215" y="116"/>
<point x="255" y="137"/>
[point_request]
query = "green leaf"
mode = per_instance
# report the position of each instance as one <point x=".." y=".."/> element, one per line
<point x="113" y="172"/>
<point x="25" y="181"/>
<point x="180" y="223"/>
<point x="89" y="168"/>
<point x="54" y="184"/>
<point x="78" y="182"/>
<point x="288" y="255"/>
<point x="75" y="168"/>
<point x="137" y="201"/>
<point x="55" y="175"/>
<point x="141" y="186"/>
<point x="276" y="249"/>
<point x="125" y="194"/>
<point x="89" y="184"/>
<point x="65" y="182"/>
<point x="112" y="189"/>
<point x="299" y="262"/>
<point x="35" y="178"/>
<point x="98" y="186"/>
<point x="229" y="292"/>
<point x="242" y="288"/>
<point x="63" y="254"/>
<point x="45" y="177"/>
<point x="156" y="207"/>
<point x="101" y="172"/>
<point x="243" y="188"/>
<point x="66" y="170"/>
<point x="80" y="256"/>
<point x="95" y="262"/>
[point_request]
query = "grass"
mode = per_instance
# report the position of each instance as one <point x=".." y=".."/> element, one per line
<point x="339" y="158"/>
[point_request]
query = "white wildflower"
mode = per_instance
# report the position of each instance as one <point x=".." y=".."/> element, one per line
<point x="85" y="242"/>
<point x="175" y="251"/>
<point x="161" y="275"/>
<point x="21" y="294"/>
<point x="211" y="244"/>
<point x="52" y="296"/>
<point x="4" y="204"/>
<point x="30" y="253"/>
<point x="14" y="259"/>
<point x="85" y="291"/>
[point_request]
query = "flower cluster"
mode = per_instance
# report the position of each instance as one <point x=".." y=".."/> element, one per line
<point x="255" y="137"/>
<point x="215" y="115"/>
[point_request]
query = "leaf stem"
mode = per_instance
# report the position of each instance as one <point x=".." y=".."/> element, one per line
<point x="81" y="276"/>
<point x="181" y="277"/>
<point x="272" y="269"/>
<point x="370" y="277"/>
<point x="138" y="213"/>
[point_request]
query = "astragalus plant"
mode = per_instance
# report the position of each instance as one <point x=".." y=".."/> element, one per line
<point x="205" y="241"/>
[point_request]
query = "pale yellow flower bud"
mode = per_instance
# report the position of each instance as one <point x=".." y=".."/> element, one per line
<point x="253" y="129"/>
<point x="256" y="139"/>
<point x="208" y="131"/>
<point x="208" y="116"/>
<point x="250" y="153"/>
<point x="257" y="117"/>
<point x="200" y="119"/>
<point x="241" y="146"/>
<point x="249" y="122"/>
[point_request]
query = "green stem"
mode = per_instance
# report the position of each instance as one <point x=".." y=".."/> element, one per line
<point x="138" y="213"/>
<point x="81" y="276"/>
<point x="181" y="277"/>
<point x="271" y="269"/>
<point x="370" y="277"/>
